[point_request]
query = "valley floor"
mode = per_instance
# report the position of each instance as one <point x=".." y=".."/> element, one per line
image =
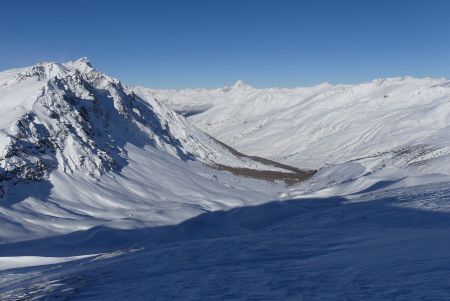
<point x="384" y="245"/>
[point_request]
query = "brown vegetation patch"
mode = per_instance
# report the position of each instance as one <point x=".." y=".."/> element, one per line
<point x="291" y="176"/>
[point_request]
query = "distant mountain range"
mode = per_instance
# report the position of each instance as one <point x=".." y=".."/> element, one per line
<point x="393" y="128"/>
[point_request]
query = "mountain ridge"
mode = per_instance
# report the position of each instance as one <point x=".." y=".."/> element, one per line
<point x="394" y="127"/>
<point x="79" y="148"/>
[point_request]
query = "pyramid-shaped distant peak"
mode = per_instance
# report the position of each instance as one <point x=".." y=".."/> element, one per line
<point x="83" y="60"/>
<point x="240" y="84"/>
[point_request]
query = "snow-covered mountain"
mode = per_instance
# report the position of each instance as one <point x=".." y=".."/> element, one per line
<point x="106" y="193"/>
<point x="78" y="148"/>
<point x="84" y="118"/>
<point x="388" y="129"/>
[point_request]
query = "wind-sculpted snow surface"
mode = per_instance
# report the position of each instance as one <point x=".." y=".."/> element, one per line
<point x="390" y="245"/>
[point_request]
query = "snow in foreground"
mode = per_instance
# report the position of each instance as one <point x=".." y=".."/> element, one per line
<point x="383" y="246"/>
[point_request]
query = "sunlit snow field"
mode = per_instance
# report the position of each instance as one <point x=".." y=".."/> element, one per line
<point x="107" y="193"/>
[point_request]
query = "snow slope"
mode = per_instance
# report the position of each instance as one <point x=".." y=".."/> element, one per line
<point x="348" y="132"/>
<point x="391" y="245"/>
<point x="80" y="149"/>
<point x="105" y="193"/>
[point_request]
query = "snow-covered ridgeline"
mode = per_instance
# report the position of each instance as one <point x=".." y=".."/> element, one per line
<point x="398" y="123"/>
<point x="73" y="117"/>
<point x="78" y="149"/>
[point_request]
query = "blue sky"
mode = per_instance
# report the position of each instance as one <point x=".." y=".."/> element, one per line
<point x="176" y="44"/>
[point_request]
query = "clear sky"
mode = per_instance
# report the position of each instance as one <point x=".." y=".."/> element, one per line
<point x="211" y="43"/>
